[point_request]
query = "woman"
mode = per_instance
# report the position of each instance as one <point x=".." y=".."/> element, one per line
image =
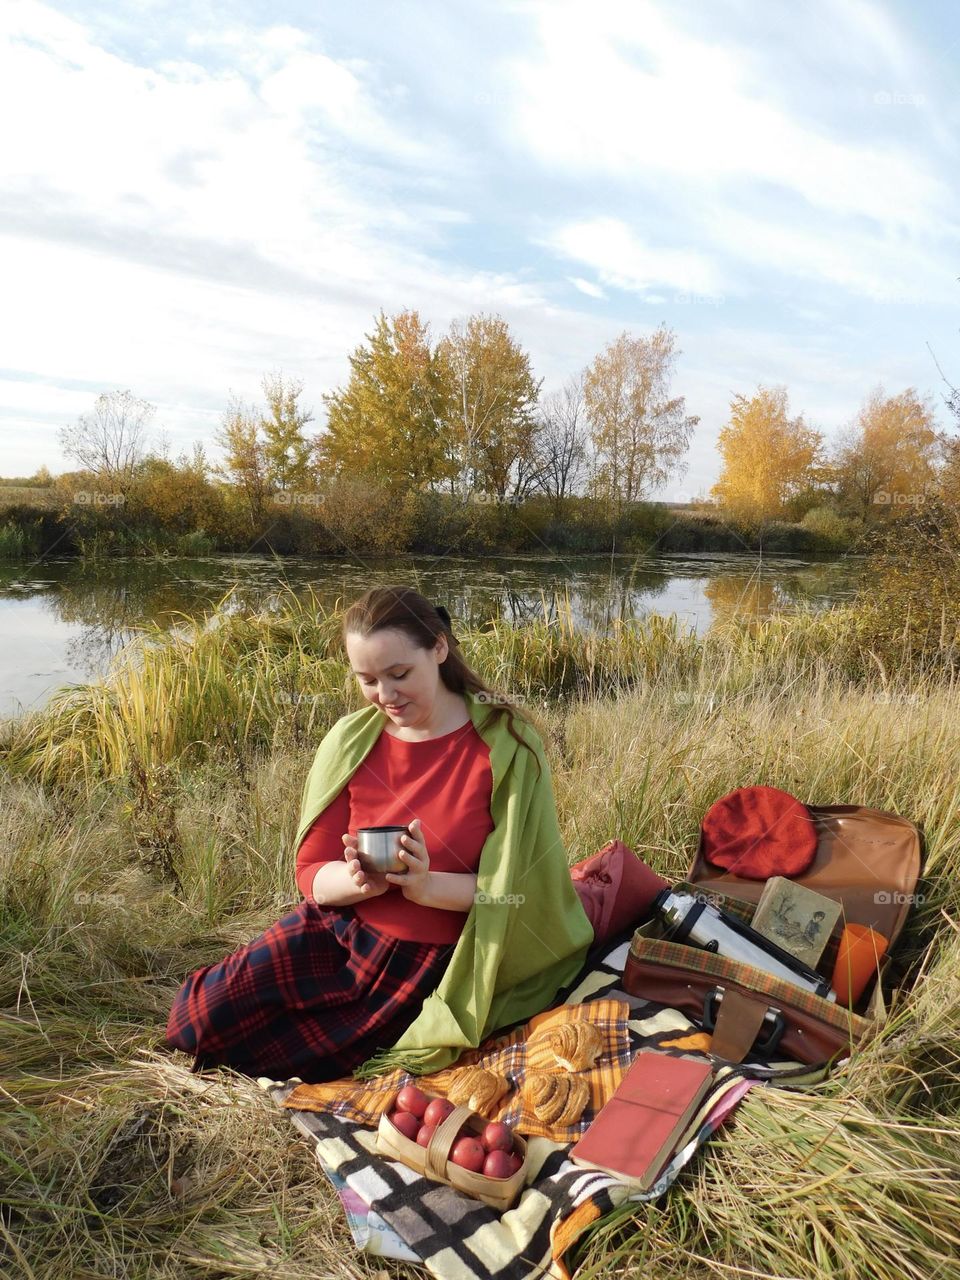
<point x="479" y="932"/>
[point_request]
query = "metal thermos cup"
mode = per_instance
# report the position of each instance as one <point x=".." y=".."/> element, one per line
<point x="378" y="849"/>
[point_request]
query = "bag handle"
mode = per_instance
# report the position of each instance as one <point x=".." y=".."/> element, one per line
<point x="738" y="1023"/>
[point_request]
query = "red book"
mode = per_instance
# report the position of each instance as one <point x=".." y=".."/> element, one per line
<point x="642" y="1125"/>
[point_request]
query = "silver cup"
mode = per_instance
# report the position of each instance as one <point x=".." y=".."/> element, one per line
<point x="378" y="849"/>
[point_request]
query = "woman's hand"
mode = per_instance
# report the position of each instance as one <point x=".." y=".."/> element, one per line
<point x="415" y="881"/>
<point x="369" y="883"/>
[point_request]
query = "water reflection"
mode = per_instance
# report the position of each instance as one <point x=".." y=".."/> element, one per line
<point x="62" y="621"/>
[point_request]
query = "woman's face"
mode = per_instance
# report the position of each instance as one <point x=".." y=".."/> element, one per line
<point x="397" y="676"/>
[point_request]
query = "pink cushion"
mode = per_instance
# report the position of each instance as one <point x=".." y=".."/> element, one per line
<point x="616" y="888"/>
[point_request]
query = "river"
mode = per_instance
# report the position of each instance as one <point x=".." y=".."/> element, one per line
<point x="63" y="620"/>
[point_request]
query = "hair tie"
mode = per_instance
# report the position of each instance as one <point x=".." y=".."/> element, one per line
<point x="445" y="619"/>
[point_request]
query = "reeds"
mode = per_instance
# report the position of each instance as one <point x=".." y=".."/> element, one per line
<point x="235" y="682"/>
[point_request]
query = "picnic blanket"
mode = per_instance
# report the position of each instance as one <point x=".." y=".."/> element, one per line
<point x="512" y="1056"/>
<point x="394" y="1212"/>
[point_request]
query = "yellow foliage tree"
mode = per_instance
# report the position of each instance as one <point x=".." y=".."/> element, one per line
<point x="244" y="464"/>
<point x="768" y="457"/>
<point x="490" y="409"/>
<point x="386" y="424"/>
<point x="639" y="432"/>
<point x="886" y="462"/>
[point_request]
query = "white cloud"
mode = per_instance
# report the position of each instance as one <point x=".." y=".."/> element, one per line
<point x="882" y="265"/>
<point x="180" y="230"/>
<point x="586" y="286"/>
<point x="616" y="88"/>
<point x="622" y="261"/>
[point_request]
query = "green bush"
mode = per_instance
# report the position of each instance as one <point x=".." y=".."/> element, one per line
<point x="13" y="542"/>
<point x="832" y="531"/>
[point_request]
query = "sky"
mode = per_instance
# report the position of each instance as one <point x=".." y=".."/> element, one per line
<point x="193" y="196"/>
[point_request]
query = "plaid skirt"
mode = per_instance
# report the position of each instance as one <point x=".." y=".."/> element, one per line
<point x="313" y="996"/>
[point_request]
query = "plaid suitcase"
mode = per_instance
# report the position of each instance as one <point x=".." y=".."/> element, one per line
<point x="868" y="860"/>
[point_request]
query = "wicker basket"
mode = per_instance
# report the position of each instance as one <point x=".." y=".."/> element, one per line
<point x="432" y="1162"/>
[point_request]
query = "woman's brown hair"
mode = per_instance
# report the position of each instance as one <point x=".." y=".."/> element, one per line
<point x="404" y="609"/>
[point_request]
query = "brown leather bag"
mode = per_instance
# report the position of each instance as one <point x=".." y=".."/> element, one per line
<point x="867" y="859"/>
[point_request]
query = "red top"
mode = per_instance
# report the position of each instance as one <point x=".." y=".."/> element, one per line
<point x="446" y="782"/>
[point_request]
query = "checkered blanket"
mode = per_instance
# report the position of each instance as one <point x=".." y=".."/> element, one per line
<point x="396" y="1212"/>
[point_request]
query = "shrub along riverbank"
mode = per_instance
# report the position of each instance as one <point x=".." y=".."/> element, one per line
<point x="147" y="829"/>
<point x="81" y="515"/>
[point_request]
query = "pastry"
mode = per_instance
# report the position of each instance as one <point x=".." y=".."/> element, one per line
<point x="477" y="1089"/>
<point x="557" y="1098"/>
<point x="575" y="1045"/>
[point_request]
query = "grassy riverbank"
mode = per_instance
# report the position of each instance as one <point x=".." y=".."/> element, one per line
<point x="77" y="514"/>
<point x="148" y="830"/>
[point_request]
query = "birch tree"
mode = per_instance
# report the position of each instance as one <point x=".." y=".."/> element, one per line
<point x="640" y="433"/>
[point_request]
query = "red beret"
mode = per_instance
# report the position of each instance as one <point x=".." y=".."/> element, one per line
<point x="758" y="832"/>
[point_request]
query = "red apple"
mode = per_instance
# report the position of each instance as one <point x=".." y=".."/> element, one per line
<point x="498" y="1165"/>
<point x="426" y="1133"/>
<point x="406" y="1123"/>
<point x="412" y="1099"/>
<point x="516" y="1161"/>
<point x="437" y="1110"/>
<point x="468" y="1153"/>
<point x="497" y="1137"/>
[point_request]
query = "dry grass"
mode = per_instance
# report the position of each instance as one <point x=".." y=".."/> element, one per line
<point x="128" y="857"/>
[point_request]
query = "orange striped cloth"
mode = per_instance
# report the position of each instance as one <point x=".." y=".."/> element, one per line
<point x="510" y="1056"/>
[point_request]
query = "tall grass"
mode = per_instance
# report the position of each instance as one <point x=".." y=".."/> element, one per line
<point x="17" y="541"/>
<point x="146" y="828"/>
<point x="238" y="682"/>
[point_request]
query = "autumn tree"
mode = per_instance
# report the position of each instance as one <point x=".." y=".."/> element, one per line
<point x="386" y="424"/>
<point x="768" y="457"/>
<point x="563" y="441"/>
<point x="111" y="442"/>
<point x="286" y="450"/>
<point x="639" y="432"/>
<point x="176" y="495"/>
<point x="492" y="399"/>
<point x="244" y="464"/>
<point x="886" y="461"/>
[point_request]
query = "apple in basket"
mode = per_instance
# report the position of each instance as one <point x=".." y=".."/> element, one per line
<point x="437" y="1111"/>
<point x="497" y="1137"/>
<point x="468" y="1152"/>
<point x="412" y="1099"/>
<point x="407" y="1123"/>
<point x="499" y="1164"/>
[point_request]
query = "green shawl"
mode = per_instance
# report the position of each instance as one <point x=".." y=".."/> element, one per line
<point x="527" y="933"/>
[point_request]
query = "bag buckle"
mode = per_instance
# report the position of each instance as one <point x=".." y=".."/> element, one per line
<point x="773" y="1026"/>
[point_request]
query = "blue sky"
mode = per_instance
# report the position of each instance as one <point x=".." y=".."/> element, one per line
<point x="195" y="195"/>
